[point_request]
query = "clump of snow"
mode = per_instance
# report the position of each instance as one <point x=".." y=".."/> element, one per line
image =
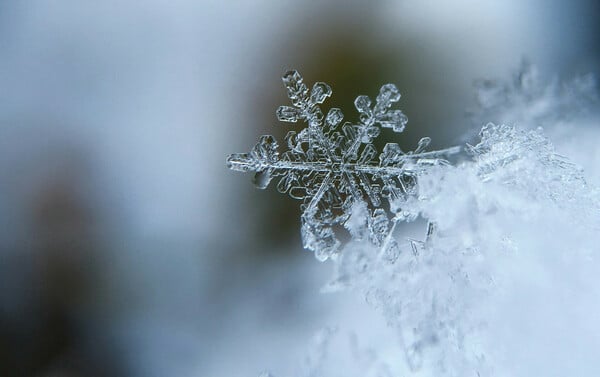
<point x="505" y="282"/>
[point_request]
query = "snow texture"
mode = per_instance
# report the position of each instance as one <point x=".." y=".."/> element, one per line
<point x="335" y="169"/>
<point x="505" y="284"/>
<point x="529" y="100"/>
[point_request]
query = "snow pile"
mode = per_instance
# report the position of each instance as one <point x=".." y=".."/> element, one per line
<point x="506" y="281"/>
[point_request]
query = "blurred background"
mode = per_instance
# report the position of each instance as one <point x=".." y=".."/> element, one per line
<point x="126" y="246"/>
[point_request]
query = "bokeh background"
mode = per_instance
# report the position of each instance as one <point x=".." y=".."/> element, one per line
<point x="126" y="246"/>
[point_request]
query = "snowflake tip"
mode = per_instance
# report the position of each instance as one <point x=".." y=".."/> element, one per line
<point x="423" y="143"/>
<point x="297" y="90"/>
<point x="240" y="162"/>
<point x="388" y="94"/>
<point x="394" y="119"/>
<point x="334" y="117"/>
<point x="363" y="104"/>
<point x="291" y="78"/>
<point x="320" y="91"/>
<point x="263" y="155"/>
<point x="287" y="114"/>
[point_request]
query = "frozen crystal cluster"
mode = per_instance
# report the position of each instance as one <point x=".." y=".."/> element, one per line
<point x="532" y="101"/>
<point x="568" y="110"/>
<point x="334" y="168"/>
<point x="516" y="227"/>
<point x="507" y="284"/>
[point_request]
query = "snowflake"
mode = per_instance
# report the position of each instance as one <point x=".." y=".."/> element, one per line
<point x="336" y="170"/>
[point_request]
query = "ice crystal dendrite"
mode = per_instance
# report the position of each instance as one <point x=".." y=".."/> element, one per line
<point x="334" y="168"/>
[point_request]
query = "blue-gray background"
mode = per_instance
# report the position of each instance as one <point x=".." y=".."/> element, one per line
<point x="126" y="247"/>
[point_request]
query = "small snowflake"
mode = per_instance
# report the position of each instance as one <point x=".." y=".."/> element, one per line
<point x="336" y="171"/>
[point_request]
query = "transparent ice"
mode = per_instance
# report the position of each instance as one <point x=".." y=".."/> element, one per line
<point x="334" y="168"/>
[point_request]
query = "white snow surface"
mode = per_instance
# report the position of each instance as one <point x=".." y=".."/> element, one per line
<point x="507" y="284"/>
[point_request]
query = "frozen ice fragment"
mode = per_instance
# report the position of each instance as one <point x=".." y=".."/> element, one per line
<point x="286" y="182"/>
<point x="367" y="155"/>
<point x="391" y="250"/>
<point x="240" y="162"/>
<point x="394" y="119"/>
<point x="370" y="134"/>
<point x="357" y="221"/>
<point x="287" y="114"/>
<point x="314" y="116"/>
<point x="423" y="144"/>
<point x="320" y="91"/>
<point x="334" y="117"/>
<point x="320" y="238"/>
<point x="292" y="79"/>
<point x="388" y="94"/>
<point x="363" y="104"/>
<point x="378" y="226"/>
<point x="391" y="154"/>
<point x="297" y="90"/>
<point x="265" y="151"/>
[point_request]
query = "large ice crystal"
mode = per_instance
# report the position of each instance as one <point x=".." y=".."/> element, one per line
<point x="335" y="169"/>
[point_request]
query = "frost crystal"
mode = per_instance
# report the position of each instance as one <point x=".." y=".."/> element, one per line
<point x="529" y="99"/>
<point x="510" y="261"/>
<point x="336" y="170"/>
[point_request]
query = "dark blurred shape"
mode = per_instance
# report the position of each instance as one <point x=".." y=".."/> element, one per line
<point x="58" y="263"/>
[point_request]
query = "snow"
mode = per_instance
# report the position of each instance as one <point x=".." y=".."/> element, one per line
<point x="505" y="283"/>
